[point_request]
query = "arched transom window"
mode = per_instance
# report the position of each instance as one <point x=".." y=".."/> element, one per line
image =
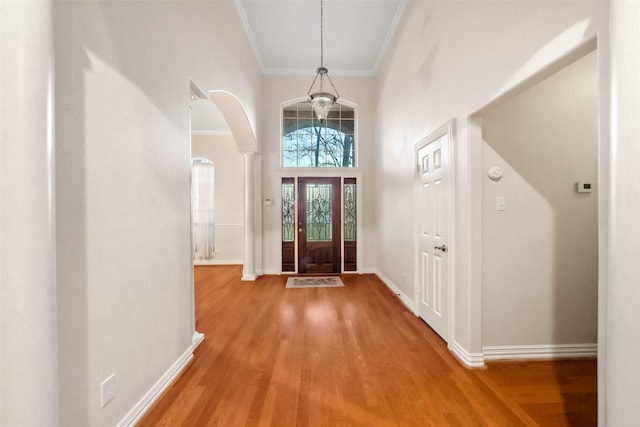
<point x="310" y="143"/>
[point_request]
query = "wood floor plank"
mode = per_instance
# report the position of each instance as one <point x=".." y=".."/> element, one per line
<point x="350" y="356"/>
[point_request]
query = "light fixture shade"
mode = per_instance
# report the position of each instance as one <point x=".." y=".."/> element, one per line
<point x="321" y="103"/>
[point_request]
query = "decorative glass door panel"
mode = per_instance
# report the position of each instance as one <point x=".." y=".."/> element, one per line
<point x="319" y="212"/>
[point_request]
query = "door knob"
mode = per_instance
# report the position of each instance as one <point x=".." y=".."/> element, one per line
<point x="442" y="248"/>
<point x="300" y="230"/>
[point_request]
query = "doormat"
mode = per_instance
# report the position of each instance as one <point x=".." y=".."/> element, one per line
<point x="314" y="282"/>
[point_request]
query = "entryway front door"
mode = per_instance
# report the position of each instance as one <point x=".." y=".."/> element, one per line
<point x="319" y="225"/>
<point x="432" y="215"/>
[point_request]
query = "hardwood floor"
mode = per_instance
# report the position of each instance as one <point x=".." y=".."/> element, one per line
<point x="352" y="356"/>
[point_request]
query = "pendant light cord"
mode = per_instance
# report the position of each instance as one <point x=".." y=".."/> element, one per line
<point x="322" y="33"/>
<point x="321" y="71"/>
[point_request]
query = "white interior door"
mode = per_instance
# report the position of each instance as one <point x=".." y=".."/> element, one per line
<point x="432" y="231"/>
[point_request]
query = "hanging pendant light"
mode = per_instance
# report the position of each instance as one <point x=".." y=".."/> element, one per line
<point x="322" y="101"/>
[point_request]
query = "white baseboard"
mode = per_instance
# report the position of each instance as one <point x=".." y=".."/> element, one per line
<point x="408" y="302"/>
<point x="150" y="397"/>
<point x="550" y="351"/>
<point x="471" y="360"/>
<point x="218" y="262"/>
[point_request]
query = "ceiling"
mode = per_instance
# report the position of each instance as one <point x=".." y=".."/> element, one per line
<point x="285" y="34"/>
<point x="285" y="37"/>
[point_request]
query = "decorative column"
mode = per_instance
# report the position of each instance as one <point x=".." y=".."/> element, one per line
<point x="249" y="268"/>
<point x="28" y="355"/>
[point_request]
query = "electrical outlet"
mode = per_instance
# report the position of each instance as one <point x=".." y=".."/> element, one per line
<point x="107" y="390"/>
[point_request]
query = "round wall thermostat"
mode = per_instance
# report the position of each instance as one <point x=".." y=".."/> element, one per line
<point x="495" y="173"/>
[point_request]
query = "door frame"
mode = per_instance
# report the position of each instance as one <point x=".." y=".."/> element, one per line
<point x="325" y="173"/>
<point x="444" y="129"/>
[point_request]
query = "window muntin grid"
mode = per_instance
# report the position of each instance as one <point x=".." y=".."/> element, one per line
<point x="310" y="143"/>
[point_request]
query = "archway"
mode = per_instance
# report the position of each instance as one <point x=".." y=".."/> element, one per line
<point x="238" y="122"/>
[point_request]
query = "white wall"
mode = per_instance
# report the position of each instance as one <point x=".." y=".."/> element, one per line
<point x="125" y="297"/>
<point x="448" y="60"/>
<point x="622" y="291"/>
<point x="540" y="255"/>
<point x="222" y="150"/>
<point x="279" y="89"/>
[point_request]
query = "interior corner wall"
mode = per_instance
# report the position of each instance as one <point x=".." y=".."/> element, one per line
<point x="28" y="347"/>
<point x="446" y="61"/>
<point x="280" y="89"/>
<point x="124" y="268"/>
<point x="540" y="254"/>
<point x="229" y="194"/>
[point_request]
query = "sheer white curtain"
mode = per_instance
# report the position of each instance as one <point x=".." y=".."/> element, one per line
<point x="202" y="200"/>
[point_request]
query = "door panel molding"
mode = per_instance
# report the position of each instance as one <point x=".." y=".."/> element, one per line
<point x="433" y="231"/>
